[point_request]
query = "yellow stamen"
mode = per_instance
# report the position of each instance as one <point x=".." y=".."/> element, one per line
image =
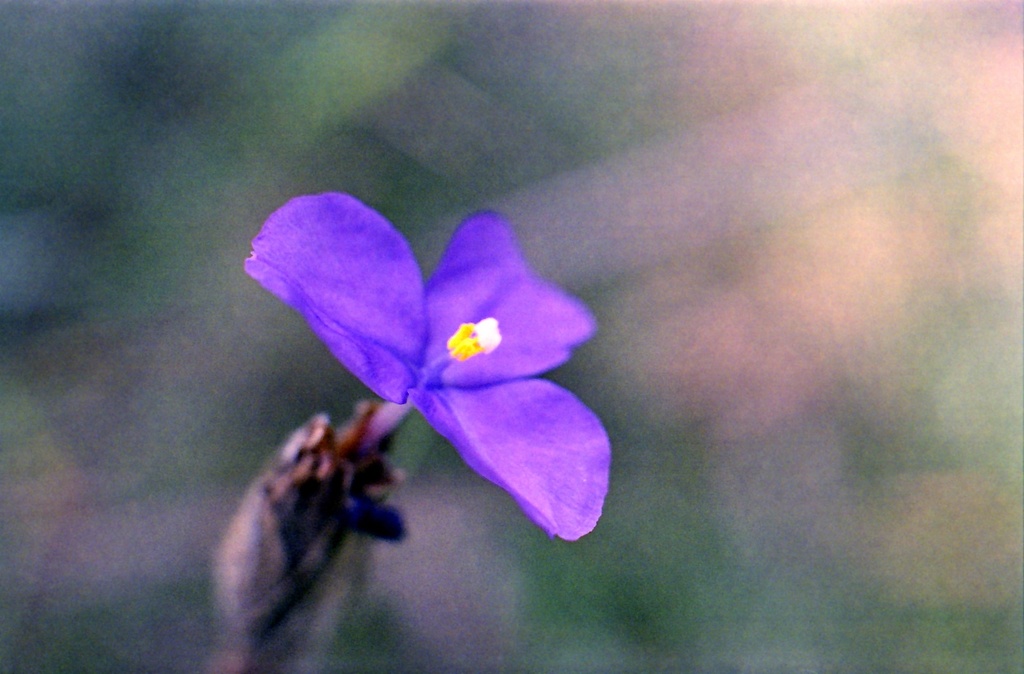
<point x="474" y="338"/>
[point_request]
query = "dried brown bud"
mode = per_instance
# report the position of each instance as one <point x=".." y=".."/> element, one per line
<point x="273" y="571"/>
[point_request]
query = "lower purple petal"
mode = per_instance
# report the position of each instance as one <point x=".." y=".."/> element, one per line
<point x="535" y="440"/>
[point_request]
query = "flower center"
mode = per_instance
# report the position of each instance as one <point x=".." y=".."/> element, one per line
<point x="474" y="338"/>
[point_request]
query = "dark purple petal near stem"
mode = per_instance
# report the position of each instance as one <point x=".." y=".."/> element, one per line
<point x="535" y="440"/>
<point x="483" y="274"/>
<point x="353" y="277"/>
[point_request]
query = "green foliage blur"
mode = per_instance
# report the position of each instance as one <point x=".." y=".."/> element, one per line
<point x="799" y="227"/>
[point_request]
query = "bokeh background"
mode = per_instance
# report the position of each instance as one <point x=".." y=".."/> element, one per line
<point x="800" y="228"/>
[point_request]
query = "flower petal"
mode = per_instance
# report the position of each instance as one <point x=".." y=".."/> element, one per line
<point x="535" y="440"/>
<point x="483" y="274"/>
<point x="353" y="277"/>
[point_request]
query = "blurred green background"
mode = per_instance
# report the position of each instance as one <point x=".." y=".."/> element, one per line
<point x="799" y="227"/>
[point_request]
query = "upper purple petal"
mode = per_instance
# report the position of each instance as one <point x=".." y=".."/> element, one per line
<point x="535" y="440"/>
<point x="354" y="278"/>
<point x="483" y="274"/>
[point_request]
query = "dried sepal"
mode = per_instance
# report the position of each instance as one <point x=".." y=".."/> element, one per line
<point x="297" y="520"/>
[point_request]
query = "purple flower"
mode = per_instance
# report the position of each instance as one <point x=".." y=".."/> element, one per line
<point x="353" y="277"/>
